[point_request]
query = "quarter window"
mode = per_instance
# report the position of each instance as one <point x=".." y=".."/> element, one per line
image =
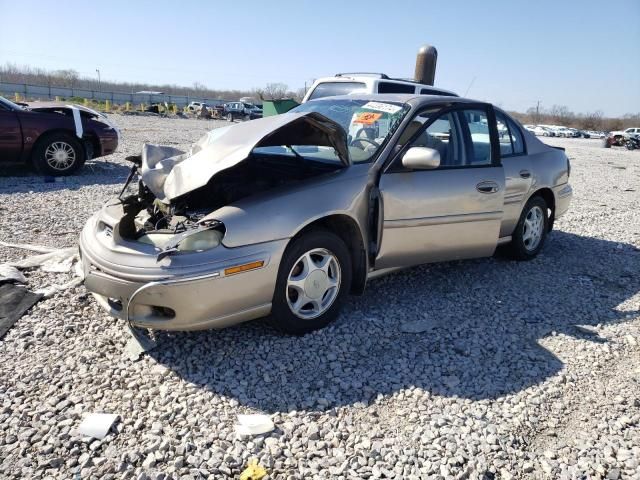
<point x="392" y="87"/>
<point x="511" y="141"/>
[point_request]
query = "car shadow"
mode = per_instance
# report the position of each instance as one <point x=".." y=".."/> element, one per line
<point x="22" y="178"/>
<point x="482" y="321"/>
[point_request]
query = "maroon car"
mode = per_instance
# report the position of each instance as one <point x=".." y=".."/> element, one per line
<point x="53" y="137"/>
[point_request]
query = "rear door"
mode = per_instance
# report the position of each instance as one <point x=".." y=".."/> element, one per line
<point x="454" y="211"/>
<point x="10" y="135"/>
<point x="518" y="171"/>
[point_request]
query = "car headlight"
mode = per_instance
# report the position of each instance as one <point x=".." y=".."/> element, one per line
<point x="204" y="240"/>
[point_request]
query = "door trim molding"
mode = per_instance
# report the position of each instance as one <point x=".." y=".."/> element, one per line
<point x="443" y="219"/>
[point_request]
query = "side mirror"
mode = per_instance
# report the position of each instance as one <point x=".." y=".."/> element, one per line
<point x="421" y="158"/>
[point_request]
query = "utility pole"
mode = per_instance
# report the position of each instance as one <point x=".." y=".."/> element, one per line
<point x="99" y="83"/>
<point x="538" y="112"/>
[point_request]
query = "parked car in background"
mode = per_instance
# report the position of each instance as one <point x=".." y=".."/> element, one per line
<point x="196" y="106"/>
<point x="543" y="131"/>
<point x="619" y="136"/>
<point x="369" y="83"/>
<point x="583" y="134"/>
<point x="241" y="111"/>
<point x="55" y="138"/>
<point x="234" y="230"/>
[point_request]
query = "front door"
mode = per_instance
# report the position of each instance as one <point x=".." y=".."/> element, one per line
<point x="10" y="136"/>
<point x="453" y="211"/>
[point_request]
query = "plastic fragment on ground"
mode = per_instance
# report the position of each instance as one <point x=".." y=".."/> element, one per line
<point x="139" y="342"/>
<point x="11" y="274"/>
<point x="26" y="246"/>
<point x="253" y="471"/>
<point x="254" y="424"/>
<point x="97" y="425"/>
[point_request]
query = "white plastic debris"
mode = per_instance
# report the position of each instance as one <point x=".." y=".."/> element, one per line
<point x="25" y="246"/>
<point x="97" y="425"/>
<point x="254" y="424"/>
<point x="57" y="261"/>
<point x="60" y="260"/>
<point x="7" y="272"/>
<point x="48" y="292"/>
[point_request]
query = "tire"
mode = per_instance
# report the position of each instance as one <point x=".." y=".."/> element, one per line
<point x="49" y="158"/>
<point x="229" y="117"/>
<point x="315" y="246"/>
<point x="522" y="246"/>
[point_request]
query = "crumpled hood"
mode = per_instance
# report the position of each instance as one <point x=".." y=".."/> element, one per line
<point x="170" y="173"/>
<point x="44" y="106"/>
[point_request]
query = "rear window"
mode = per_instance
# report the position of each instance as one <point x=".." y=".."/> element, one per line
<point x="332" y="89"/>
<point x="392" y="87"/>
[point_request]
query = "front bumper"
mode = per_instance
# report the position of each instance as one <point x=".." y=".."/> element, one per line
<point x="174" y="295"/>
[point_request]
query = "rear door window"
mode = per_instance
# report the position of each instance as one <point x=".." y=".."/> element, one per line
<point x="393" y="87"/>
<point x="510" y="136"/>
<point x="332" y="89"/>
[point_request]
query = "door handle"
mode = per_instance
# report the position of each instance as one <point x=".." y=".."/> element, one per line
<point x="525" y="173"/>
<point x="487" y="187"/>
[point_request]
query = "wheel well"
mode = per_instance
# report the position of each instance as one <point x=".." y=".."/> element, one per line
<point x="550" y="199"/>
<point x="347" y="229"/>
<point x="43" y="137"/>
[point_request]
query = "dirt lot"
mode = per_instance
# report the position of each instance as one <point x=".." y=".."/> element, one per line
<point x="524" y="370"/>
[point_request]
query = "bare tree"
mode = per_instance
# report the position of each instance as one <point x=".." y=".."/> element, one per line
<point x="592" y="120"/>
<point x="561" y="114"/>
<point x="69" y="77"/>
<point x="273" y="91"/>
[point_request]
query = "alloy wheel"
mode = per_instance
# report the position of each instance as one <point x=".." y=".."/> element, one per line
<point x="313" y="283"/>
<point x="533" y="228"/>
<point x="60" y="156"/>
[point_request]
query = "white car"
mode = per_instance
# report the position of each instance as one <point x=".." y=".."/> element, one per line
<point x="196" y="106"/>
<point x="368" y="83"/>
<point x="626" y="133"/>
<point x="542" y="131"/>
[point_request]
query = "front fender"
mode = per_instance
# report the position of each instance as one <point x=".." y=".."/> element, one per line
<point x="282" y="214"/>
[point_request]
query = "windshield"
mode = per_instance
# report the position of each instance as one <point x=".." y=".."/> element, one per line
<point x="368" y="125"/>
<point x="9" y="104"/>
<point x="333" y="89"/>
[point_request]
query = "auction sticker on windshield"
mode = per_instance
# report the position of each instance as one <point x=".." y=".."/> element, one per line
<point x="382" y="107"/>
<point x="367" y="118"/>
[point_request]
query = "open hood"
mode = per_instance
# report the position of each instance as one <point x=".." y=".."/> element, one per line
<point x="170" y="173"/>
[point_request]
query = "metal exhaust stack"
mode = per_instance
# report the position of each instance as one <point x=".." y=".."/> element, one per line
<point x="426" y="65"/>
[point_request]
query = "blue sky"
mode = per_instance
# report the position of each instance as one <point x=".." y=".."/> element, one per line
<point x="583" y="54"/>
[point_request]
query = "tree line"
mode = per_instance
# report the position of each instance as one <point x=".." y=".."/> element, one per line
<point x="555" y="115"/>
<point x="11" y="73"/>
<point x="561" y="115"/>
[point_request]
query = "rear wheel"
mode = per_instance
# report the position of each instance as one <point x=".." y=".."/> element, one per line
<point x="313" y="279"/>
<point x="531" y="230"/>
<point x="229" y="117"/>
<point x="58" y="154"/>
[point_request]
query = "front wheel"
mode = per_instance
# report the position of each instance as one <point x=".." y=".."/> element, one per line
<point x="229" y="117"/>
<point x="58" y="154"/>
<point x="313" y="280"/>
<point x="531" y="230"/>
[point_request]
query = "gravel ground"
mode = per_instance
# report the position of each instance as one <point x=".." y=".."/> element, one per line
<point x="525" y="370"/>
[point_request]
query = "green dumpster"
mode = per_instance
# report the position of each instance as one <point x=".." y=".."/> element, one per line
<point x="276" y="107"/>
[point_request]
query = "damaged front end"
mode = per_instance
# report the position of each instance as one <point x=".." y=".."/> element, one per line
<point x="177" y="191"/>
<point x="170" y="228"/>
